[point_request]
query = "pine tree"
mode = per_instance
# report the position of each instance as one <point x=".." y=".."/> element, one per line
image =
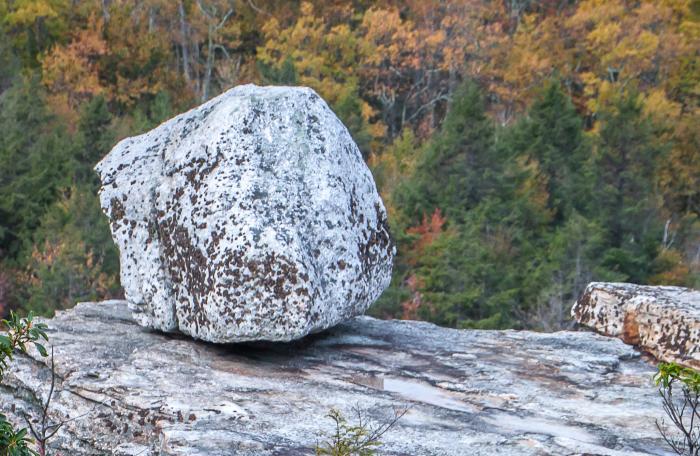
<point x="34" y="152"/>
<point x="95" y="138"/>
<point x="624" y="197"/>
<point x="460" y="167"/>
<point x="550" y="136"/>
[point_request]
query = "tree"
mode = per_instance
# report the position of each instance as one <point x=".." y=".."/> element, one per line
<point x="624" y="164"/>
<point x="73" y="258"/>
<point x="460" y="167"/>
<point x="94" y="139"/>
<point x="33" y="156"/>
<point x="551" y="137"/>
<point x="71" y="72"/>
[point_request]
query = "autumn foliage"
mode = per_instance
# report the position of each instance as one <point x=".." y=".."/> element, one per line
<point x="522" y="148"/>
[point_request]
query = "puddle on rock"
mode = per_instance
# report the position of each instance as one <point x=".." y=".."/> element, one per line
<point x="416" y="391"/>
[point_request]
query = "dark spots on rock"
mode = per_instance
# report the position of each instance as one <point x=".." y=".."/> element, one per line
<point x="117" y="210"/>
<point x="259" y="194"/>
<point x="189" y="270"/>
<point x="179" y="192"/>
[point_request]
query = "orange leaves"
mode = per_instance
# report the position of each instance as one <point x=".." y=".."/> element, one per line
<point x="428" y="232"/>
<point x="71" y="72"/>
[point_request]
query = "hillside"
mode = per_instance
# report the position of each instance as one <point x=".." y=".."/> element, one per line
<point x="523" y="149"/>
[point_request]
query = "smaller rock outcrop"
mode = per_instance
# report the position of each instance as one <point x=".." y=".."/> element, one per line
<point x="664" y="321"/>
<point x="251" y="217"/>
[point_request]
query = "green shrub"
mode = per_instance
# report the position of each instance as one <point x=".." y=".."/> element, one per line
<point x="359" y="439"/>
<point x="20" y="333"/>
<point x="679" y="388"/>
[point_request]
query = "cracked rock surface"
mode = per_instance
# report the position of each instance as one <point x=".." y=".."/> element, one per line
<point x="251" y="217"/>
<point x="128" y="390"/>
<point x="665" y="321"/>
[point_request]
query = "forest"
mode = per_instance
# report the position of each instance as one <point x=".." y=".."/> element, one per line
<point x="523" y="148"/>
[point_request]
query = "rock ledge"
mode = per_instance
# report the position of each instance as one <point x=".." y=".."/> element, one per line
<point x="664" y="321"/>
<point x="131" y="391"/>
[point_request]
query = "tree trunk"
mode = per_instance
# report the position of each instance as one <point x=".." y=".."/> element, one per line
<point x="183" y="43"/>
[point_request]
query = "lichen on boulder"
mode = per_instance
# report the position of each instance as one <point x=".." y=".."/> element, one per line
<point x="662" y="320"/>
<point x="251" y="217"/>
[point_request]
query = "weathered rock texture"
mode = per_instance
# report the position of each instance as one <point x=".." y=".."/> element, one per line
<point x="131" y="391"/>
<point x="250" y="217"/>
<point x="665" y="321"/>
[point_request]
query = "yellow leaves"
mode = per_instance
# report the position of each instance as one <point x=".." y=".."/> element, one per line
<point x="620" y="44"/>
<point x="324" y="57"/>
<point x="26" y="12"/>
<point x="660" y="108"/>
<point x="603" y="36"/>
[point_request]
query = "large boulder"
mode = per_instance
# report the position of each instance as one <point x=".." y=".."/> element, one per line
<point x="662" y="320"/>
<point x="251" y="217"/>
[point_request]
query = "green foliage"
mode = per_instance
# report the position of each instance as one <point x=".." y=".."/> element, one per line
<point x="681" y="408"/>
<point x="359" y="439"/>
<point x="95" y="138"/>
<point x="624" y="200"/>
<point x="74" y="258"/>
<point x="14" y="442"/>
<point x="32" y="163"/>
<point x="462" y="155"/>
<point x="20" y="333"/>
<point x="550" y="136"/>
<point x="286" y="74"/>
<point x="670" y="374"/>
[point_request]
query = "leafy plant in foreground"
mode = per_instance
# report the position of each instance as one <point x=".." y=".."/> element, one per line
<point x="20" y="333"/>
<point x="360" y="439"/>
<point x="679" y="388"/>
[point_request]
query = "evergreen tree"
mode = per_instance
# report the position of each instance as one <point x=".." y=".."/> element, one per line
<point x="460" y="167"/>
<point x="551" y="137"/>
<point x="95" y="138"/>
<point x="73" y="258"/>
<point x="33" y="157"/>
<point x="624" y="197"/>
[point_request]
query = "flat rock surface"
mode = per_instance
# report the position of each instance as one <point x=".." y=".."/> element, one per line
<point x="127" y="390"/>
<point x="665" y="321"/>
